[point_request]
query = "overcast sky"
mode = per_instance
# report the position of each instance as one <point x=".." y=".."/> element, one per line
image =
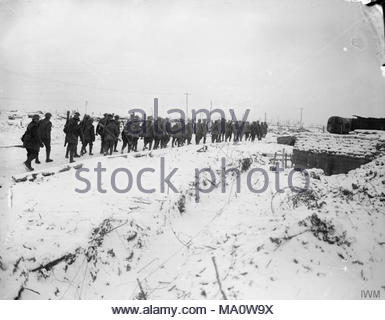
<point x="269" y="56"/>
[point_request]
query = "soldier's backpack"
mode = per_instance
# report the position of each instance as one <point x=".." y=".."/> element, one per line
<point x="26" y="137"/>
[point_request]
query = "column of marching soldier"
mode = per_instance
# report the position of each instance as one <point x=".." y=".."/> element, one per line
<point x="155" y="133"/>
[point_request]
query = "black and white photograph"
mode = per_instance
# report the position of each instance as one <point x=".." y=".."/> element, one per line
<point x="192" y="150"/>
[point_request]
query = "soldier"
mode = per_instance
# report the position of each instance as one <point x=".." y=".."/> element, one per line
<point x="228" y="130"/>
<point x="45" y="127"/>
<point x="148" y="133"/>
<point x="117" y="122"/>
<point x="223" y="129"/>
<point x="253" y="130"/>
<point x="158" y="132"/>
<point x="181" y="135"/>
<point x="134" y="131"/>
<point x="110" y="135"/>
<point x="82" y="125"/>
<point x="76" y="155"/>
<point x="241" y="125"/>
<point x="83" y="122"/>
<point x="99" y="131"/>
<point x="198" y="131"/>
<point x="178" y="133"/>
<point x="215" y="131"/>
<point x="259" y="131"/>
<point x="237" y="129"/>
<point x="73" y="132"/>
<point x="263" y="129"/>
<point x="127" y="135"/>
<point x="246" y="130"/>
<point x="32" y="141"/>
<point x="173" y="133"/>
<point x="165" y="132"/>
<point x="88" y="136"/>
<point x="205" y="130"/>
<point x="189" y="131"/>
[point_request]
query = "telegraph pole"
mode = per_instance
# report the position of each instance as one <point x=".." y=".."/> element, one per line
<point x="156" y="111"/>
<point x="187" y="94"/>
<point x="85" y="106"/>
<point x="265" y="117"/>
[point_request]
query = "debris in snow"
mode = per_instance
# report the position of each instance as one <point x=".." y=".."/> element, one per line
<point x="324" y="230"/>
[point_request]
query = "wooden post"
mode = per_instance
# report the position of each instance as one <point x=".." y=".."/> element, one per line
<point x="218" y="279"/>
<point x="283" y="158"/>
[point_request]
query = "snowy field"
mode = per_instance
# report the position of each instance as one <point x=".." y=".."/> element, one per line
<point x="325" y="243"/>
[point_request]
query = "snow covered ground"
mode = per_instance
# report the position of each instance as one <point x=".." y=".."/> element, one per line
<point x="325" y="243"/>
